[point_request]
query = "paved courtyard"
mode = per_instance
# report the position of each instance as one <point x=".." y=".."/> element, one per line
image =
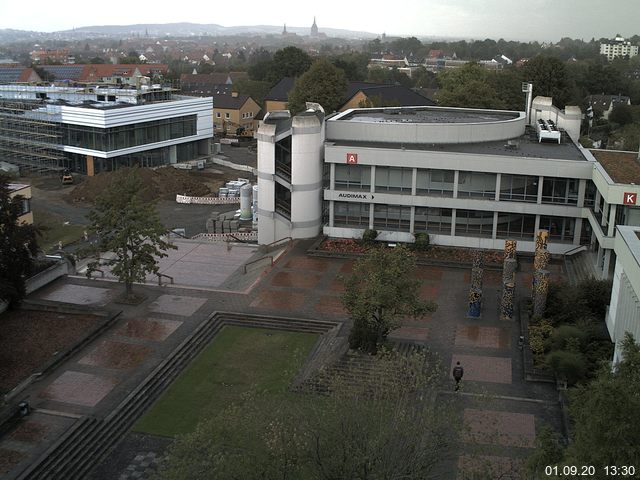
<point x="501" y="411"/>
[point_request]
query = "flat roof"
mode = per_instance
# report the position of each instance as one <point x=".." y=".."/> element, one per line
<point x="426" y="115"/>
<point x="622" y="167"/>
<point x="13" y="187"/>
<point x="523" y="146"/>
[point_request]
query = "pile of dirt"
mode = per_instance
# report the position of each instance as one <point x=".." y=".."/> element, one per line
<point x="157" y="184"/>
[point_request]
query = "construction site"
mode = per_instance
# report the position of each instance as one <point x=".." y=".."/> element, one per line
<point x="29" y="136"/>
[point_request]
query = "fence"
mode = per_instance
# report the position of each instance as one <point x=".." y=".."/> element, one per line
<point x="207" y="200"/>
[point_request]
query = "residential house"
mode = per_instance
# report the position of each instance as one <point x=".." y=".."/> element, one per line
<point x="18" y="74"/>
<point x="234" y="114"/>
<point x="606" y="103"/>
<point x="18" y="189"/>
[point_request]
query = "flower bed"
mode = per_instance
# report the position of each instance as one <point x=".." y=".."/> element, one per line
<point x="439" y="254"/>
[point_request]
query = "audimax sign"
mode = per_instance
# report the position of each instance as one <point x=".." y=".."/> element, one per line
<point x="355" y="196"/>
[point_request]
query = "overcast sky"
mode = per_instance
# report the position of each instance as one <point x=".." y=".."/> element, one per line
<point x="544" y="20"/>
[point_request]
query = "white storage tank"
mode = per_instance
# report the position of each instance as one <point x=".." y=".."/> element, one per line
<point x="245" y="202"/>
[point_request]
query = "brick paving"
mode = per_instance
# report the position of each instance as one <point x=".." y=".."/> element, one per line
<point x="148" y="328"/>
<point x="118" y="355"/>
<point x="504" y="468"/>
<point x="85" y="389"/>
<point x="481" y="368"/>
<point x="97" y="378"/>
<point x="506" y="429"/>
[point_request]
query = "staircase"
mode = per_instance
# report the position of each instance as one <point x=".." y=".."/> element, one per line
<point x="580" y="266"/>
<point x="90" y="439"/>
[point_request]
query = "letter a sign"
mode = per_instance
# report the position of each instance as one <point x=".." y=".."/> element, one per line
<point x="352" y="158"/>
<point x="630" y="198"/>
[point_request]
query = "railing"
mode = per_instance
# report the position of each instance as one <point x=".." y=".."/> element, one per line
<point x="269" y="257"/>
<point x="269" y="246"/>
<point x="579" y="248"/>
<point x="160" y="275"/>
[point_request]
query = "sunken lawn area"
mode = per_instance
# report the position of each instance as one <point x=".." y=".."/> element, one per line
<point x="238" y="360"/>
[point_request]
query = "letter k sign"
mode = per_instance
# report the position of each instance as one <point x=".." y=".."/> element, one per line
<point x="630" y="198"/>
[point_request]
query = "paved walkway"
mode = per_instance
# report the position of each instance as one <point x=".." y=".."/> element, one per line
<point x="501" y="411"/>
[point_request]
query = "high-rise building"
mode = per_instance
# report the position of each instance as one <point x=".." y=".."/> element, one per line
<point x="618" y="47"/>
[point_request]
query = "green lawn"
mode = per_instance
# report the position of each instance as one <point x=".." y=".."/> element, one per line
<point x="54" y="230"/>
<point x="237" y="360"/>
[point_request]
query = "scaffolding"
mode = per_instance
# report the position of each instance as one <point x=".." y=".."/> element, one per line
<point x="30" y="136"/>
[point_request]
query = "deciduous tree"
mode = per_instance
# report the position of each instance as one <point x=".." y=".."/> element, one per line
<point x="322" y="83"/>
<point x="130" y="229"/>
<point x="382" y="289"/>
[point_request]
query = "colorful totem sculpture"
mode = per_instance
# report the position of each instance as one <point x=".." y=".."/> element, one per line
<point x="475" y="289"/>
<point x="508" y="280"/>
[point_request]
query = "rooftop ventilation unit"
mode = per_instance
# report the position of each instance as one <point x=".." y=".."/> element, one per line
<point x="547" y="130"/>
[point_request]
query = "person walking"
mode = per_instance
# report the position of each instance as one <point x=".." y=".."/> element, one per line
<point x="458" y="372"/>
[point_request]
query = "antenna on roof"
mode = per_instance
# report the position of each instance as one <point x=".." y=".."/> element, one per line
<point x="528" y="89"/>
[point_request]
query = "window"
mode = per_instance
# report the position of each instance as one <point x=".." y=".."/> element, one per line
<point x="218" y="115"/>
<point x="560" y="190"/>
<point x="353" y="177"/>
<point x="227" y="115"/>
<point x="433" y="220"/>
<point x="519" y="188"/>
<point x="515" y="225"/>
<point x="392" y="217"/>
<point x="394" y="179"/>
<point x="477" y="184"/>
<point x="435" y="182"/>
<point x="560" y="228"/>
<point x="351" y="214"/>
<point x="474" y="223"/>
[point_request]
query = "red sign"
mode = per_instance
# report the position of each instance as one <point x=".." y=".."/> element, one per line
<point x="352" y="158"/>
<point x="630" y="198"/>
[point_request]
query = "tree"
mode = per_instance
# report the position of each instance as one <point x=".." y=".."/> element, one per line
<point x="322" y="83"/>
<point x="549" y="78"/>
<point x="18" y="246"/>
<point x="385" y="426"/>
<point x="469" y="86"/>
<point x="606" y="414"/>
<point x="381" y="290"/>
<point x="128" y="227"/>
<point x="288" y="62"/>
<point x="621" y="114"/>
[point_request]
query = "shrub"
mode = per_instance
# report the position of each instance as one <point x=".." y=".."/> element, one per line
<point x="421" y="242"/>
<point x="571" y="366"/>
<point x="566" y="336"/>
<point x="539" y="333"/>
<point x="369" y="236"/>
<point x="596" y="295"/>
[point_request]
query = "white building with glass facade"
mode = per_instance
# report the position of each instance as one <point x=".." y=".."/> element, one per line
<point x="467" y="177"/>
<point x="96" y="128"/>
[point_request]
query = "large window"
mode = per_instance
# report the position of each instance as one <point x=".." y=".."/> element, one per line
<point x="126" y="136"/>
<point x="477" y="184"/>
<point x="283" y="158"/>
<point x="515" y="225"/>
<point x="435" y="182"/>
<point x="392" y="217"/>
<point x="560" y="190"/>
<point x="433" y="220"/>
<point x="560" y="229"/>
<point x="474" y="223"/>
<point x="519" y="188"/>
<point x="351" y="214"/>
<point x="394" y="179"/>
<point x="353" y="177"/>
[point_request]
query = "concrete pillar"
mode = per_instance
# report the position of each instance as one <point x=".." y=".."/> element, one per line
<point x="606" y="265"/>
<point x="494" y="230"/>
<point x="498" y="181"/>
<point x="332" y="176"/>
<point x="373" y="179"/>
<point x="582" y="190"/>
<point x="612" y="220"/>
<point x="540" y="185"/>
<point x="173" y="154"/>
<point x="371" y="209"/>
<point x="453" y="222"/>
<point x="456" y="177"/>
<point x="331" y="214"/>
<point x="577" y="232"/>
<point x="414" y="182"/>
<point x="412" y="218"/>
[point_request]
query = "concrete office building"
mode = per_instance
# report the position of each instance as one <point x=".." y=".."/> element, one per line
<point x="623" y="314"/>
<point x="467" y="177"/>
<point x="91" y="129"/>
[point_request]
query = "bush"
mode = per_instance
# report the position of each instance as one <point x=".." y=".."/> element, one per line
<point x="568" y="337"/>
<point x="369" y="236"/>
<point x="595" y="295"/>
<point x="539" y="333"/>
<point x="571" y="366"/>
<point x="421" y="242"/>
